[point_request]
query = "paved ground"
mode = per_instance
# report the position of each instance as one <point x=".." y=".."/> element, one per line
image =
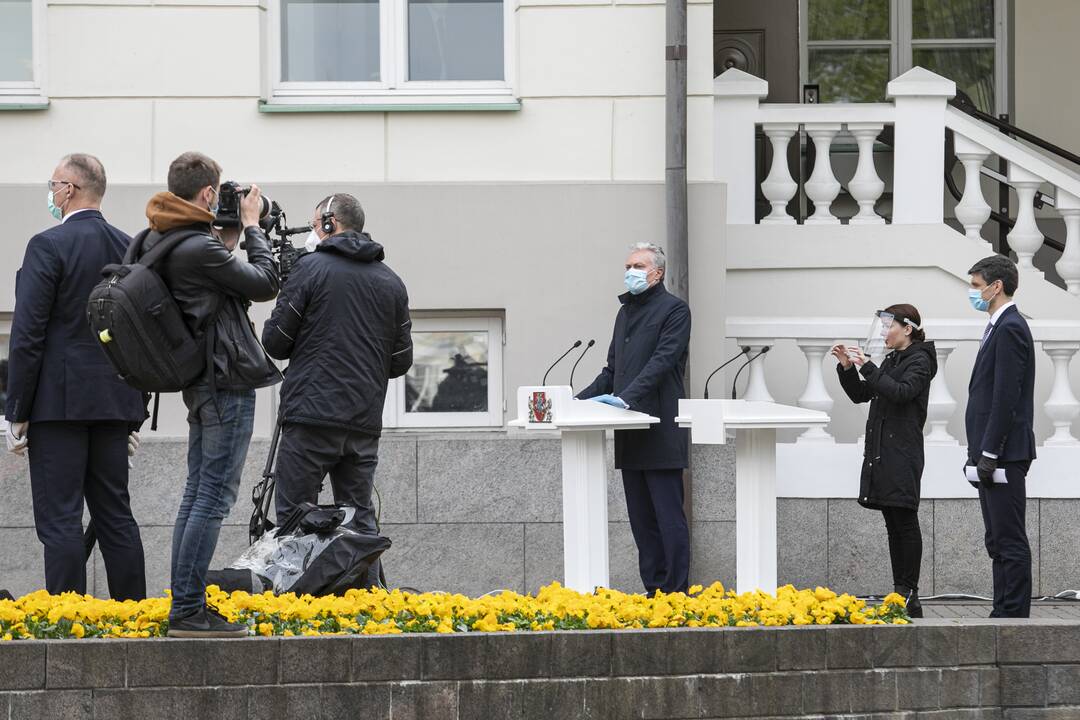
<point x="1045" y="609"/>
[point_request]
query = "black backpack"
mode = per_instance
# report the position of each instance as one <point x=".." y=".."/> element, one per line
<point x="138" y="324"/>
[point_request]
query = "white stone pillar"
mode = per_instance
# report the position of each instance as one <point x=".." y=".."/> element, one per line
<point x="779" y="187"/>
<point x="919" y="156"/>
<point x="942" y="405"/>
<point x="756" y="388"/>
<point x="972" y="210"/>
<point x="815" y="396"/>
<point x="1068" y="205"/>
<point x="1062" y="406"/>
<point x="822" y="187"/>
<point x="866" y="186"/>
<point x="1025" y="238"/>
<point x="737" y="95"/>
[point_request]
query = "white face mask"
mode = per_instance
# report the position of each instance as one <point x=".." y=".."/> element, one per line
<point x="312" y="241"/>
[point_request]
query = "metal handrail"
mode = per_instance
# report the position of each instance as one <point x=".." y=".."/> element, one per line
<point x="963" y="102"/>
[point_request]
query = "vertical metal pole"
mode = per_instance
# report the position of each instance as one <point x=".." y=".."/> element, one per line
<point x="678" y="262"/>
<point x="1003" y="199"/>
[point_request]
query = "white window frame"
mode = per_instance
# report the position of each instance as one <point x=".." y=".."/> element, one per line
<point x="901" y="45"/>
<point x="394" y="88"/>
<point x="394" y="415"/>
<point x="30" y="92"/>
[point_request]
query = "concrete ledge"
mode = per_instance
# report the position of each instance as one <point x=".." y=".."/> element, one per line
<point x="934" y="669"/>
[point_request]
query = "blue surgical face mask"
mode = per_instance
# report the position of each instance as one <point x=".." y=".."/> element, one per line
<point x="636" y="281"/>
<point x="53" y="209"/>
<point x="976" y="299"/>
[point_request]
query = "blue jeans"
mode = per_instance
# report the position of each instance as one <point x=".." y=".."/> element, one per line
<point x="219" y="432"/>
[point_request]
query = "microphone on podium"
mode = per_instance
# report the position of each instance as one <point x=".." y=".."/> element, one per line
<point x="764" y="350"/>
<point x="577" y="343"/>
<point x="590" y="344"/>
<point x="744" y="350"/>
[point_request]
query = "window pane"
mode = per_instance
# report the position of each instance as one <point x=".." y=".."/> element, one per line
<point x="16" y="48"/>
<point x="972" y="69"/>
<point x="850" y="75"/>
<point x="947" y="19"/>
<point x="330" y="41"/>
<point x="455" y="39"/>
<point x="849" y="19"/>
<point x="449" y="372"/>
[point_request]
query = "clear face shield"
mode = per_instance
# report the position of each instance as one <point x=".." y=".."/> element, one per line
<point x="879" y="330"/>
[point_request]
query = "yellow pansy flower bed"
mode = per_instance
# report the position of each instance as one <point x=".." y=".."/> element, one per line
<point x="379" y="612"/>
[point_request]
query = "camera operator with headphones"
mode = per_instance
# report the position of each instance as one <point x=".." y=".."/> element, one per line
<point x="342" y="321"/>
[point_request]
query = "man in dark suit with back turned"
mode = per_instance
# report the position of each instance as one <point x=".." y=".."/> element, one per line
<point x="1000" y="415"/>
<point x="65" y="404"/>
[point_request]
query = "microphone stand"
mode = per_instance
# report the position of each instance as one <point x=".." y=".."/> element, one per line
<point x="763" y="350"/>
<point x="745" y="350"/>
<point x="590" y="344"/>
<point x="577" y="343"/>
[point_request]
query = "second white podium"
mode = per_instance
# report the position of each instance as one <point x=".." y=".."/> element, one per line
<point x="754" y="425"/>
<point x="583" y="425"/>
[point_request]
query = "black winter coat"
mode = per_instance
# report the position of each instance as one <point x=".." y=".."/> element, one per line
<point x="898" y="393"/>
<point x="342" y="321"/>
<point x="645" y="367"/>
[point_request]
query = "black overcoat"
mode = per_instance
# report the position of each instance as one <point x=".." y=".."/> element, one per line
<point x="645" y="366"/>
<point x="898" y="393"/>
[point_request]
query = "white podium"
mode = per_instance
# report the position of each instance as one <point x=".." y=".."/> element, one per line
<point x="582" y="425"/>
<point x="754" y="425"/>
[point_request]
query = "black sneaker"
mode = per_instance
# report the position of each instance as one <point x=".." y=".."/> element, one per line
<point x="206" y="623"/>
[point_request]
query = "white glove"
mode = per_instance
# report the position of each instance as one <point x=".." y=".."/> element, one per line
<point x="133" y="445"/>
<point x="17" y="437"/>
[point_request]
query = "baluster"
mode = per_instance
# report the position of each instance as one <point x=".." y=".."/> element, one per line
<point x="815" y="396"/>
<point x="822" y="187"/>
<point x="972" y="210"/>
<point x="866" y="187"/>
<point x="756" y="389"/>
<point x="1025" y="237"/>
<point x="1062" y="406"/>
<point x="942" y="405"/>
<point x="1069" y="265"/>
<point x="779" y="187"/>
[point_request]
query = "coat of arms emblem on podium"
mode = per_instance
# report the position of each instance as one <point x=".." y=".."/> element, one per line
<point x="539" y="407"/>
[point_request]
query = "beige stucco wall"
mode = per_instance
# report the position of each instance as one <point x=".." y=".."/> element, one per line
<point x="1045" y="64"/>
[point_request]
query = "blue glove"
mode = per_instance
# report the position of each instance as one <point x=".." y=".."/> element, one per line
<point x="611" y="400"/>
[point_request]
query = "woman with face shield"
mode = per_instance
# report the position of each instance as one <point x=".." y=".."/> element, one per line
<point x="898" y="390"/>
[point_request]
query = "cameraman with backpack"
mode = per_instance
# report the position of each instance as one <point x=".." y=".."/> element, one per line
<point x="213" y="289"/>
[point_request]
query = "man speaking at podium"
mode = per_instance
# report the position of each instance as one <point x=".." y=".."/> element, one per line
<point x="645" y="367"/>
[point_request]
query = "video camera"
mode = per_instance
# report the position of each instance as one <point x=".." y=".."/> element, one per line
<point x="287" y="254"/>
<point x="271" y="220"/>
<point x="228" y="214"/>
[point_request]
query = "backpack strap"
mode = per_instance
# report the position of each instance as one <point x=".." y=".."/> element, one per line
<point x="163" y="247"/>
<point x="135" y="247"/>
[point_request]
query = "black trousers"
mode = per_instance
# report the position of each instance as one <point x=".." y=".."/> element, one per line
<point x="307" y="453"/>
<point x="654" y="501"/>
<point x="905" y="545"/>
<point x="70" y="462"/>
<point x="1003" y="511"/>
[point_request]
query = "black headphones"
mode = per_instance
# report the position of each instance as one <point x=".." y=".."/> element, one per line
<point x="328" y="218"/>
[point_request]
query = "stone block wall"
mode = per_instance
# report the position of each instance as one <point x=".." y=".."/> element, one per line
<point x="946" y="670"/>
<point x="474" y="512"/>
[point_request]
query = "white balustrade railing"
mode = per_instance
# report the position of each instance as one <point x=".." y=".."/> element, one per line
<point x="1058" y="339"/>
<point x="919" y="116"/>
